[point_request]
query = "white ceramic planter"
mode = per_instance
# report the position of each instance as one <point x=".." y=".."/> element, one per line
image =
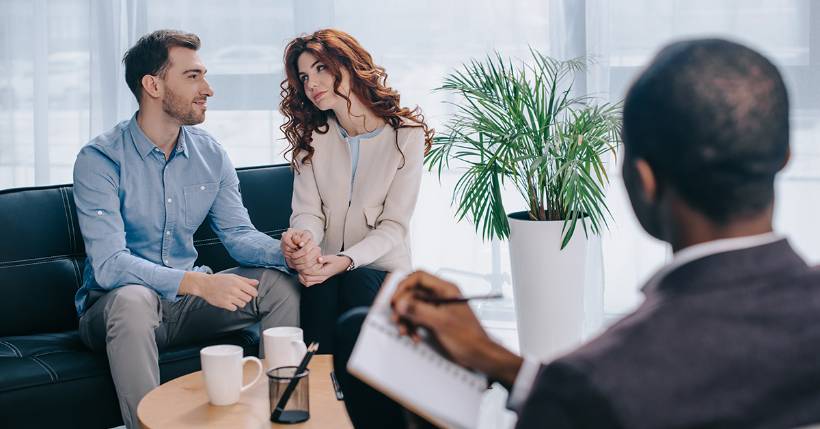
<point x="558" y="293"/>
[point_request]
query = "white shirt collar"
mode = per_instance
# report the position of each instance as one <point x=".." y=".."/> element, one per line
<point x="702" y="250"/>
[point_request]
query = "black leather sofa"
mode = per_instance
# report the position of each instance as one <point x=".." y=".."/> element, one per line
<point x="48" y="378"/>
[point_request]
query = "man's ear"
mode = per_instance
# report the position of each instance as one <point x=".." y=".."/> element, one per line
<point x="150" y="86"/>
<point x="647" y="181"/>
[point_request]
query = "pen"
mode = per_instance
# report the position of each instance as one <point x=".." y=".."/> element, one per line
<point x="280" y="406"/>
<point x="338" y="389"/>
<point x="441" y="301"/>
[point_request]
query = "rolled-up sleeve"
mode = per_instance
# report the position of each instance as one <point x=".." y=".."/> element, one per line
<point x="96" y="179"/>
<point x="232" y="224"/>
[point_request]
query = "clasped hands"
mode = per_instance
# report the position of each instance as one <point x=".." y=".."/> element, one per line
<point x="303" y="254"/>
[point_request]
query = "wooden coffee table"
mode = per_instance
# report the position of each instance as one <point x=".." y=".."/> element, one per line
<point x="183" y="403"/>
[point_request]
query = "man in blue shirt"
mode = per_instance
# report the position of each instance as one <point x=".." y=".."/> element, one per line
<point x="142" y="189"/>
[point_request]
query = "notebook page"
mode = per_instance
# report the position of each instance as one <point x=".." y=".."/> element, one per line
<point x="415" y="375"/>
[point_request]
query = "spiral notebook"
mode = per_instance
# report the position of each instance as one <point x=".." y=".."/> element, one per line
<point x="415" y="375"/>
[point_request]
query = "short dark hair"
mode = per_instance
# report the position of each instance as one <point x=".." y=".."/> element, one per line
<point x="711" y="117"/>
<point x="149" y="56"/>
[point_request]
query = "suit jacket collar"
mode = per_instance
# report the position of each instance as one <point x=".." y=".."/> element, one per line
<point x="730" y="268"/>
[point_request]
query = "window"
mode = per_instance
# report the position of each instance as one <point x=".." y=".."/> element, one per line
<point x="61" y="84"/>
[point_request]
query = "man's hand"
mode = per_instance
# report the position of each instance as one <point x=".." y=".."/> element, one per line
<point x="454" y="326"/>
<point x="228" y="291"/>
<point x="329" y="266"/>
<point x="292" y="241"/>
<point x="307" y="258"/>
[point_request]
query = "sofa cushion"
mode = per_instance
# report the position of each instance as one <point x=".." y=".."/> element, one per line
<point x="38" y="223"/>
<point x="41" y="257"/>
<point x="42" y="296"/>
<point x="54" y="380"/>
<point x="44" y="359"/>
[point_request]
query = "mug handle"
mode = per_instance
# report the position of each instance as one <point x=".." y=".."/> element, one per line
<point x="299" y="349"/>
<point x="259" y="371"/>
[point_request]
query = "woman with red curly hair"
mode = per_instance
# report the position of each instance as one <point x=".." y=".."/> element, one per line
<point x="357" y="159"/>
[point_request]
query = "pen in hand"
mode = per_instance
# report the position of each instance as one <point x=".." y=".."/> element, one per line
<point x="441" y="301"/>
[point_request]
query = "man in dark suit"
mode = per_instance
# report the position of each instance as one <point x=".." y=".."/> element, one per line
<point x="729" y="332"/>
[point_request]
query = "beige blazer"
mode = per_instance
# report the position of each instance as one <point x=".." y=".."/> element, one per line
<point x="373" y="221"/>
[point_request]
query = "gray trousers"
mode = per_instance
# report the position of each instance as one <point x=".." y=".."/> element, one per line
<point x="132" y="323"/>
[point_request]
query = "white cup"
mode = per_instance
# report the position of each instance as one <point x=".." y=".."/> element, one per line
<point x="222" y="369"/>
<point x="283" y="346"/>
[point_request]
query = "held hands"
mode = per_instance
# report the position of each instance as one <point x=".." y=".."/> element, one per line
<point x="454" y="326"/>
<point x="329" y="266"/>
<point x="304" y="255"/>
<point x="299" y="249"/>
<point x="228" y="291"/>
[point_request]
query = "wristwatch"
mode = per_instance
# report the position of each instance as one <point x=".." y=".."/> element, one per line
<point x="352" y="265"/>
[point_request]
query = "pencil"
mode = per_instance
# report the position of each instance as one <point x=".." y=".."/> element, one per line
<point x="442" y="301"/>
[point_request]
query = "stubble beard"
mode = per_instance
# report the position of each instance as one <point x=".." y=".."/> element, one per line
<point x="181" y="110"/>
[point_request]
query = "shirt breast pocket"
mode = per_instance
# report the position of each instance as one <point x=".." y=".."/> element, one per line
<point x="198" y="201"/>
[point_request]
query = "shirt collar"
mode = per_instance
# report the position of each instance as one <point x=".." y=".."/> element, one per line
<point x="702" y="250"/>
<point x="345" y="136"/>
<point x="182" y="142"/>
<point x="144" y="145"/>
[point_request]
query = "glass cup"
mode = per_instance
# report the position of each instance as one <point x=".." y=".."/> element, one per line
<point x="297" y="409"/>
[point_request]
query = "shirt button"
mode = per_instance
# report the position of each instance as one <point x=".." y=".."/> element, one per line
<point x="99" y="212"/>
<point x="201" y="188"/>
<point x="169" y="200"/>
<point x="167" y="232"/>
<point x="166" y="262"/>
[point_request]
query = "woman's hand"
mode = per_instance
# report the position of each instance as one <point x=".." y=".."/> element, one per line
<point x="308" y="258"/>
<point x="328" y="266"/>
<point x="294" y="240"/>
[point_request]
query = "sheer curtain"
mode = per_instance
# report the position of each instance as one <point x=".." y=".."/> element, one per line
<point x="61" y="84"/>
<point x="624" y="35"/>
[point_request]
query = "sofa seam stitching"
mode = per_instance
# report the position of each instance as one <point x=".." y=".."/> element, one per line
<point x="37" y="261"/>
<point x="69" y="224"/>
<point x="54" y="352"/>
<point x="40" y="259"/>
<point x="51" y="373"/>
<point x="77" y="275"/>
<point x="71" y="221"/>
<point x="12" y="347"/>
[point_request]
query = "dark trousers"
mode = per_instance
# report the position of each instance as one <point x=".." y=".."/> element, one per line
<point x="322" y="304"/>
<point x="367" y="407"/>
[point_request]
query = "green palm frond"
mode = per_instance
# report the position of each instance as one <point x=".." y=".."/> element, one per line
<point x="519" y="123"/>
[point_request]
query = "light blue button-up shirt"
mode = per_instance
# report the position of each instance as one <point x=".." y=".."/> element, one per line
<point x="138" y="212"/>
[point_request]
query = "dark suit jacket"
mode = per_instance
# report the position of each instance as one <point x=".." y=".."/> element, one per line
<point x="731" y="340"/>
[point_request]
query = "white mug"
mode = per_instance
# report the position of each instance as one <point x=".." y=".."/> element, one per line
<point x="222" y="369"/>
<point x="283" y="346"/>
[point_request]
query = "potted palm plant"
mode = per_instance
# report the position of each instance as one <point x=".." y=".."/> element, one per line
<point x="518" y="123"/>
